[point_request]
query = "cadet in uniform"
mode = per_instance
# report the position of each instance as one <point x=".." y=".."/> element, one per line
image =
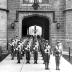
<point x="27" y="49"/>
<point x="23" y="49"/>
<point x="12" y="48"/>
<point x="18" y="53"/>
<point x="21" y="45"/>
<point x="16" y="44"/>
<point x="58" y="53"/>
<point x="42" y="48"/>
<point x="35" y="54"/>
<point x="47" y="55"/>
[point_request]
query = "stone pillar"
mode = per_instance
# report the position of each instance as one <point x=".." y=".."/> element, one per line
<point x="3" y="24"/>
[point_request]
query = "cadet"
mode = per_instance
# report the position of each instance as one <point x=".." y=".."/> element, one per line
<point x="27" y="54"/>
<point x="23" y="51"/>
<point x="58" y="53"/>
<point x="12" y="48"/>
<point x="21" y="47"/>
<point x="47" y="55"/>
<point x="35" y="54"/>
<point x="42" y="48"/>
<point x="18" y="53"/>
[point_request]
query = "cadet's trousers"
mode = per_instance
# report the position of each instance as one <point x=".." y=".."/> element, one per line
<point x="47" y="62"/>
<point x="18" y="57"/>
<point x="57" y="59"/>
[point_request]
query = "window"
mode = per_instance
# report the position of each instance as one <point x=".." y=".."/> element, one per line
<point x="32" y="1"/>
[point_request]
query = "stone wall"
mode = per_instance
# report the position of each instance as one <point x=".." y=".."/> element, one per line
<point x="3" y="24"/>
<point x="13" y="5"/>
<point x="59" y="34"/>
<point x="54" y="5"/>
<point x="68" y="19"/>
<point x="3" y="29"/>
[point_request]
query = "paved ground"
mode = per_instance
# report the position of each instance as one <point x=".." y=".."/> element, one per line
<point x="8" y="65"/>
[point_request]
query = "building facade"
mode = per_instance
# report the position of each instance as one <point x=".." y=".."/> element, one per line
<point x="54" y="16"/>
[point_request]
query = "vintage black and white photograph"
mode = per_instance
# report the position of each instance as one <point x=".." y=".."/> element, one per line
<point x="35" y="35"/>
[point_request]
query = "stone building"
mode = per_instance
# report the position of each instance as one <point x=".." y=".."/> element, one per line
<point x="54" y="16"/>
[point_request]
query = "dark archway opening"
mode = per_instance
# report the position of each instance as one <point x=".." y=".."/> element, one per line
<point x="36" y="20"/>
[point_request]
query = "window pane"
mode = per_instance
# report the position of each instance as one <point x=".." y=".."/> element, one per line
<point x="40" y="1"/>
<point x="28" y="1"/>
<point x="45" y="1"/>
<point x="31" y="1"/>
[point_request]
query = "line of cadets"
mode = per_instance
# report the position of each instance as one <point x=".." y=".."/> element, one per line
<point x="19" y="48"/>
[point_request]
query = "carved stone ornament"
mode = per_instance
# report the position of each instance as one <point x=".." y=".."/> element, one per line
<point x="35" y="5"/>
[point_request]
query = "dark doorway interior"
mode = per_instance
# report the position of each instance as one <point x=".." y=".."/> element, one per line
<point x="36" y="20"/>
<point x="24" y="30"/>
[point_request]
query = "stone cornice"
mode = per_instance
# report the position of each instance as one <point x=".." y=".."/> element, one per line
<point x="17" y="13"/>
<point x="66" y="10"/>
<point x="4" y="9"/>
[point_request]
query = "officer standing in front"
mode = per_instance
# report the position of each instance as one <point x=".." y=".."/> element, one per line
<point x="47" y="55"/>
<point x="57" y="54"/>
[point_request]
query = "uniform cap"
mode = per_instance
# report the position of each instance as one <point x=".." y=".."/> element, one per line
<point x="58" y="41"/>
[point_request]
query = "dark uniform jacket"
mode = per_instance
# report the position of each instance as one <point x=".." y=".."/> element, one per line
<point x="35" y="53"/>
<point x="28" y="54"/>
<point x="57" y="51"/>
<point x="47" y="54"/>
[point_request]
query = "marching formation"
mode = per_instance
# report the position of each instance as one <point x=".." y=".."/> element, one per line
<point x="29" y="45"/>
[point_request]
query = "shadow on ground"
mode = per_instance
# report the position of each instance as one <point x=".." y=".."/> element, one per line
<point x="3" y="56"/>
<point x="67" y="58"/>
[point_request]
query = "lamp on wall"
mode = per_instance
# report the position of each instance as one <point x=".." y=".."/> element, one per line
<point x="58" y="25"/>
<point x="35" y="5"/>
<point x="13" y="25"/>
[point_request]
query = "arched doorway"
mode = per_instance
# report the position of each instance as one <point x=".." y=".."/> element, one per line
<point x="35" y="30"/>
<point x="38" y="20"/>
